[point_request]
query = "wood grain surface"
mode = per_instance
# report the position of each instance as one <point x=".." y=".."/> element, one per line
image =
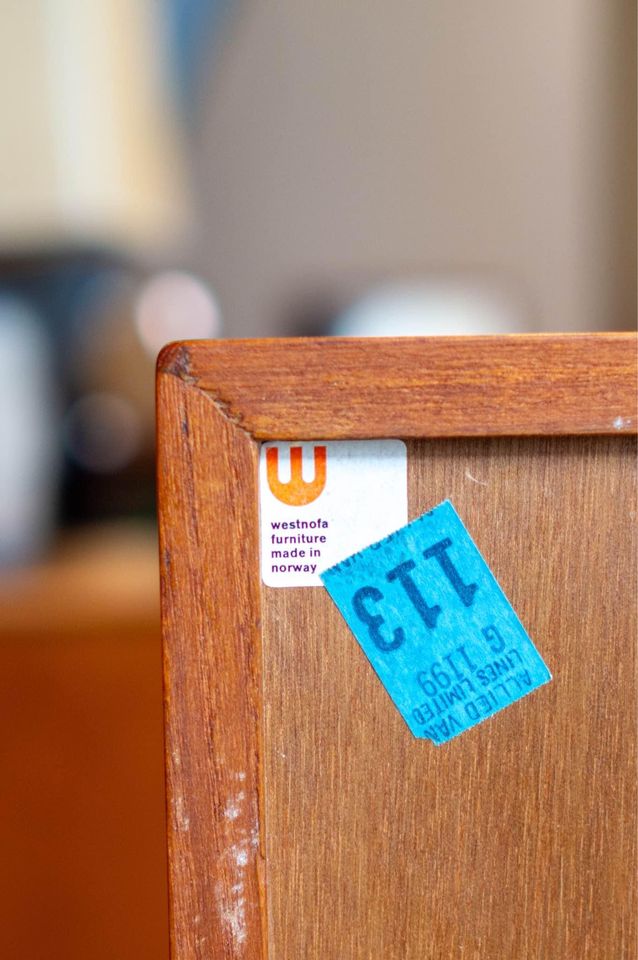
<point x="304" y="820"/>
<point x="516" y="839"/>
<point x="212" y="677"/>
<point x="417" y="387"/>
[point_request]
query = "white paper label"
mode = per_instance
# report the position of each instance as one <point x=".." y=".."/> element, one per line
<point x="325" y="499"/>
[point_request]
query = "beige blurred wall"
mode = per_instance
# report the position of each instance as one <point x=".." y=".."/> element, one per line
<point x="369" y="139"/>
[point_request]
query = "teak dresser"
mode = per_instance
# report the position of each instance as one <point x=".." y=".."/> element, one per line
<point x="305" y="821"/>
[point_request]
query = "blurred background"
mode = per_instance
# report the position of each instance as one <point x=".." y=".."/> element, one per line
<point x="226" y="168"/>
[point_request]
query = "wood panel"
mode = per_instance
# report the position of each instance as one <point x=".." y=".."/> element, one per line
<point x="215" y="401"/>
<point x="517" y="838"/>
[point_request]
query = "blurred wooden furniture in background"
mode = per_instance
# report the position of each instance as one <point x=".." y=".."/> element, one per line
<point x="82" y="800"/>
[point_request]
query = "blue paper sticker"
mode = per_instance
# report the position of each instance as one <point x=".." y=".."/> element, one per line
<point x="435" y="625"/>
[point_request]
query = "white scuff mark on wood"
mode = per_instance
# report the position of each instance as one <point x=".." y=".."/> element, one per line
<point x="181" y="816"/>
<point x="231" y="897"/>
<point x="234" y="805"/>
<point x="241" y="776"/>
<point x="620" y="423"/>
<point x="234" y="918"/>
<point x="232" y="911"/>
<point x="240" y="854"/>
<point x="469" y="476"/>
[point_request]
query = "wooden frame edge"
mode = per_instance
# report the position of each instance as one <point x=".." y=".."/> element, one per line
<point x="433" y="387"/>
<point x="212" y="683"/>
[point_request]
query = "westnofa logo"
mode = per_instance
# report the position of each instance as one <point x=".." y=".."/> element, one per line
<point x="297" y="492"/>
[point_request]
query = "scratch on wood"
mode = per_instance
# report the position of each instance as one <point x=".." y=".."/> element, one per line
<point x="469" y="476"/>
<point x="181" y="816"/>
<point x="225" y="409"/>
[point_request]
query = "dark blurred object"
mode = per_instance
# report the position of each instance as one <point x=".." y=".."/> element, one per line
<point x="109" y="425"/>
<point x="104" y="321"/>
<point x="93" y="195"/>
<point x="29" y="426"/>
